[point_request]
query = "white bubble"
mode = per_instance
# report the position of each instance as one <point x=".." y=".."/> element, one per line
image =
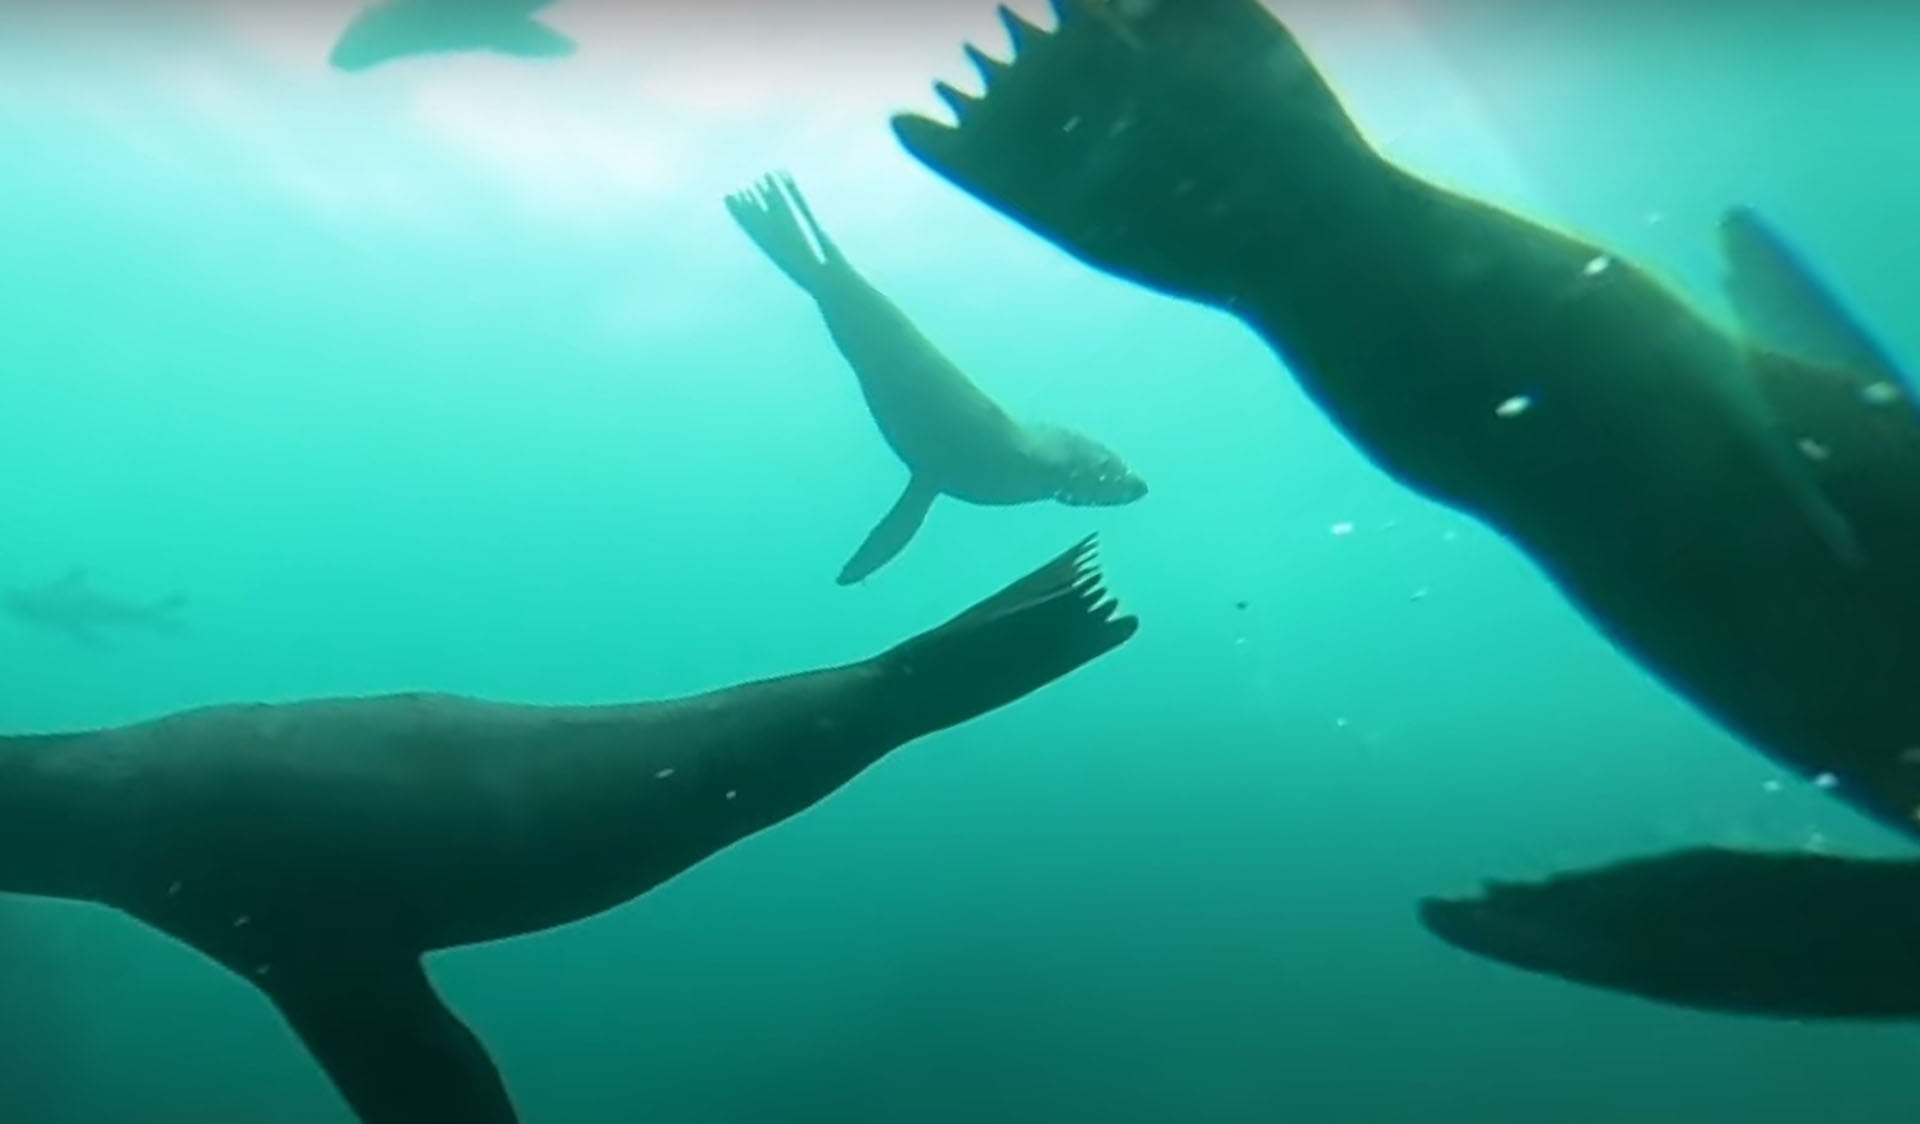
<point x="663" y="774"/>
<point x="1814" y="450"/>
<point x="1826" y="780"/>
<point x="1514" y="407"/>
<point x="1597" y="266"/>
<point x="1882" y="393"/>
<point x="1342" y="529"/>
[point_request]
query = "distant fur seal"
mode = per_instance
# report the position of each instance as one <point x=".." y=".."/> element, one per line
<point x="318" y="849"/>
<point x="1642" y="456"/>
<point x="954" y="439"/>
<point x="395" y="29"/>
<point x="72" y="607"/>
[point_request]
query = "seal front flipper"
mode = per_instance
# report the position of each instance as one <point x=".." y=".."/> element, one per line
<point x="1786" y="934"/>
<point x="893" y="532"/>
<point x="1832" y="389"/>
<point x="1784" y="306"/>
<point x="391" y="1046"/>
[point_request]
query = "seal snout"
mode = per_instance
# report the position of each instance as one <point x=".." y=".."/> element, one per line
<point x="1107" y="483"/>
<point x="1114" y="491"/>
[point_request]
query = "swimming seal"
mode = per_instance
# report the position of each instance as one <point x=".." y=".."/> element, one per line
<point x="319" y="849"/>
<point x="953" y="439"/>
<point x="1638" y="453"/>
<point x="395" y="29"/>
<point x="1800" y="935"/>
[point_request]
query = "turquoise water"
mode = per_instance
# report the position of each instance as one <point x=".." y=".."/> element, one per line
<point x="455" y="375"/>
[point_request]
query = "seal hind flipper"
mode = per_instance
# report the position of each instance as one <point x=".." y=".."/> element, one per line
<point x="770" y="212"/>
<point x="891" y="535"/>
<point x="1086" y="138"/>
<point x="390" y="1044"/>
<point x="527" y="38"/>
<point x="1036" y="630"/>
<point x="1785" y="934"/>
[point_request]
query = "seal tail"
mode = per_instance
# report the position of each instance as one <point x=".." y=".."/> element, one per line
<point x="771" y="212"/>
<point x="1037" y="630"/>
<point x="1785" y="934"/>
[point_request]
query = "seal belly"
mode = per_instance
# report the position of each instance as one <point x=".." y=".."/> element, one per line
<point x="932" y="416"/>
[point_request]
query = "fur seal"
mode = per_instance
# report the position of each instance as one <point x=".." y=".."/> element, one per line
<point x="72" y="607"/>
<point x="319" y="849"/>
<point x="396" y="29"/>
<point x="953" y="439"/>
<point x="1637" y="452"/>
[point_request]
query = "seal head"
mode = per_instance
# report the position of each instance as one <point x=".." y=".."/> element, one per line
<point x="1091" y="475"/>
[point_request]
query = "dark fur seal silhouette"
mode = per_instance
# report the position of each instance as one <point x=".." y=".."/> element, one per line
<point x="396" y="29"/>
<point x="72" y="607"/>
<point x="319" y="849"/>
<point x="1790" y="934"/>
<point x="954" y="439"/>
<point x="1651" y="462"/>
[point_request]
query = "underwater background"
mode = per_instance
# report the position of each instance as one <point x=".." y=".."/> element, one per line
<point x="454" y="375"/>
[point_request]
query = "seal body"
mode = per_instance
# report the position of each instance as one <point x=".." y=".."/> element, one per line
<point x="1652" y="463"/>
<point x="396" y="29"/>
<point x="953" y="438"/>
<point x="318" y="849"/>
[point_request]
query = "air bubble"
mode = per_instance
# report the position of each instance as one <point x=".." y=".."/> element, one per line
<point x="1882" y="393"/>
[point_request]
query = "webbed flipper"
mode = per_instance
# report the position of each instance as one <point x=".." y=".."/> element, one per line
<point x="527" y="38"/>
<point x="891" y="535"/>
<point x="771" y="213"/>
<point x="396" y="29"/>
<point x="1784" y="306"/>
<point x="391" y="1046"/>
<point x="1150" y="140"/>
<point x="1785" y="934"/>
<point x="1834" y="392"/>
